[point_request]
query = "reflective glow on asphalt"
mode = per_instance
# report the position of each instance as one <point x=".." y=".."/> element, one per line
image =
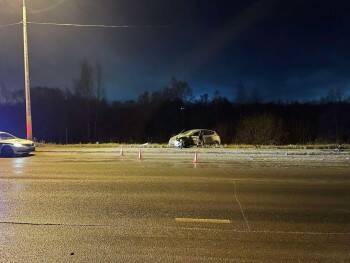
<point x="18" y="165"/>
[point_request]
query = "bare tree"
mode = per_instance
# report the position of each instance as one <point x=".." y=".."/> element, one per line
<point x="3" y="94"/>
<point x="241" y="94"/>
<point x="260" y="129"/>
<point x="335" y="95"/>
<point x="84" y="90"/>
<point x="255" y="96"/>
<point x="9" y="97"/>
<point x="84" y="86"/>
<point x="204" y="98"/>
<point x="99" y="93"/>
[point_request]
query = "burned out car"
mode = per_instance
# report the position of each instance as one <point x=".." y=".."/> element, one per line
<point x="12" y="146"/>
<point x="196" y="137"/>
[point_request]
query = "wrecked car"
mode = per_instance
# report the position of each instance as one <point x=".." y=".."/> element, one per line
<point x="195" y="137"/>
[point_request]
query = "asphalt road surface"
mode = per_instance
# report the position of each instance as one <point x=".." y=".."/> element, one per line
<point x="66" y="205"/>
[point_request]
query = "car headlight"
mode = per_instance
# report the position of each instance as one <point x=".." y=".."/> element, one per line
<point x="17" y="145"/>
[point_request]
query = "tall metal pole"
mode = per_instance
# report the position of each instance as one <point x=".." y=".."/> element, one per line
<point x="29" y="125"/>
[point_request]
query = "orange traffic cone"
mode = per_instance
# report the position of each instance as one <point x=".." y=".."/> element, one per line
<point x="140" y="157"/>
<point x="122" y="152"/>
<point x="195" y="159"/>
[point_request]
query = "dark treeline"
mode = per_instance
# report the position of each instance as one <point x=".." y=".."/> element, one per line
<point x="81" y="115"/>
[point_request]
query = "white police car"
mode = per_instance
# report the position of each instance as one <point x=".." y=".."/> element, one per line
<point x="12" y="146"/>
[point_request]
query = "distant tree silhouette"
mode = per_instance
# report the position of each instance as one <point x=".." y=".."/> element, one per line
<point x="8" y="96"/>
<point x="144" y="98"/>
<point x="4" y="94"/>
<point x="99" y="87"/>
<point x="176" y="90"/>
<point x="260" y="129"/>
<point x="255" y="96"/>
<point x="334" y="95"/>
<point x="89" y="92"/>
<point x="99" y="98"/>
<point x="204" y="98"/>
<point x="84" y="86"/>
<point x="241" y="96"/>
<point x="81" y="114"/>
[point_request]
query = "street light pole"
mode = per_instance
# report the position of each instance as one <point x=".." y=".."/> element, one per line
<point x="29" y="126"/>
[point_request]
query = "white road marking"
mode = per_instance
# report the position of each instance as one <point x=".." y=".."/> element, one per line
<point x="300" y="232"/>
<point x="240" y="205"/>
<point x="187" y="228"/>
<point x="203" y="220"/>
<point x="272" y="232"/>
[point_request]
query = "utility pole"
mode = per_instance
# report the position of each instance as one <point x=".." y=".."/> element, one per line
<point x="29" y="126"/>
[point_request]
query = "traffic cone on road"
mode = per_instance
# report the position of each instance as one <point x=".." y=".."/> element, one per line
<point x="140" y="156"/>
<point x="195" y="159"/>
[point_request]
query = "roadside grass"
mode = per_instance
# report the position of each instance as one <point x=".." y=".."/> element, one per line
<point x="225" y="146"/>
<point x="104" y="145"/>
<point x="291" y="146"/>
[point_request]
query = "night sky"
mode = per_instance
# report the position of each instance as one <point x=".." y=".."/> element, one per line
<point x="289" y="49"/>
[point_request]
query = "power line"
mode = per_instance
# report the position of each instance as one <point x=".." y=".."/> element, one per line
<point x="85" y="25"/>
<point x="97" y="25"/>
<point x="9" y="25"/>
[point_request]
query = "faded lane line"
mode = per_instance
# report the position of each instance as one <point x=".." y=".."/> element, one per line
<point x="240" y="205"/>
<point x="272" y="232"/>
<point x="52" y="224"/>
<point x="187" y="228"/>
<point x="203" y="220"/>
<point x="300" y="232"/>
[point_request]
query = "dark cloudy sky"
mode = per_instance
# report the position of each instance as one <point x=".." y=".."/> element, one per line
<point x="287" y="49"/>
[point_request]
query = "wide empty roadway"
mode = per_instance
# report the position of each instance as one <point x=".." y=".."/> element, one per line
<point x="237" y="207"/>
